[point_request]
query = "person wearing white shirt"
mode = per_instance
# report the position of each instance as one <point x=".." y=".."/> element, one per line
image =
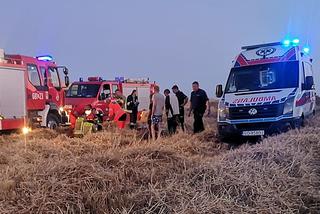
<point x="172" y="111"/>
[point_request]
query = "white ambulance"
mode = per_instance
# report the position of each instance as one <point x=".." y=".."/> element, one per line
<point x="270" y="89"/>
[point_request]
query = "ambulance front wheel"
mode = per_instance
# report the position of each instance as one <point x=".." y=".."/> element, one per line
<point x="299" y="123"/>
<point x="52" y="121"/>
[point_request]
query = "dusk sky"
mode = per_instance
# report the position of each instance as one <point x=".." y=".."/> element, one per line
<point x="170" y="41"/>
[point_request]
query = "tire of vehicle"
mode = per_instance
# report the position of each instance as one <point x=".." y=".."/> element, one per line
<point x="223" y="138"/>
<point x="52" y="121"/>
<point x="299" y="123"/>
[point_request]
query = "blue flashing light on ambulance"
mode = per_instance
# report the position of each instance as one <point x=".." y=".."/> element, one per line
<point x="270" y="89"/>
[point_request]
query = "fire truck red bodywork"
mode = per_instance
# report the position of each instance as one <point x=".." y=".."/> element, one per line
<point x="75" y="104"/>
<point x="41" y="100"/>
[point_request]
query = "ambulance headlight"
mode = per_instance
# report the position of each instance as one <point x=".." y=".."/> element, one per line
<point x="223" y="111"/>
<point x="288" y="106"/>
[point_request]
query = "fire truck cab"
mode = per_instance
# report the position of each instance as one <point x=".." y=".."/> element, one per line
<point x="31" y="92"/>
<point x="270" y="89"/>
<point x="96" y="91"/>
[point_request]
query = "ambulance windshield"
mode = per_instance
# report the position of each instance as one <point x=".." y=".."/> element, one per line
<point x="263" y="77"/>
<point x="83" y="90"/>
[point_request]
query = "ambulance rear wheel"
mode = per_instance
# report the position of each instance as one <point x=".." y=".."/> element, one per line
<point x="52" y="121"/>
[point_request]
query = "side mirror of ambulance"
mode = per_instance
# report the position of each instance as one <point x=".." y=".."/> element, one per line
<point x="66" y="81"/>
<point x="308" y="85"/>
<point x="219" y="91"/>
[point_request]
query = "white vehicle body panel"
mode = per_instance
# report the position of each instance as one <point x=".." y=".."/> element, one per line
<point x="245" y="101"/>
<point x="12" y="93"/>
<point x="143" y="92"/>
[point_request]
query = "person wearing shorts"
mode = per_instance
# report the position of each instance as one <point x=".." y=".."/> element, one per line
<point x="158" y="102"/>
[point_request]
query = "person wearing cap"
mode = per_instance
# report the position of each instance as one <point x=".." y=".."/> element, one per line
<point x="172" y="111"/>
<point x="199" y="103"/>
<point x="183" y="100"/>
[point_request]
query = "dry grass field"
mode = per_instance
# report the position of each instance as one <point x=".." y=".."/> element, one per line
<point x="118" y="172"/>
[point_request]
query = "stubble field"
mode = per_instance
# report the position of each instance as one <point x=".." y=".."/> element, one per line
<point x="119" y="172"/>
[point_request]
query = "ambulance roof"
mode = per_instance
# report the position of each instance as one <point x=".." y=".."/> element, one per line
<point x="269" y="53"/>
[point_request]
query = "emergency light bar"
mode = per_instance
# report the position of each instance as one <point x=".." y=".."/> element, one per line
<point x="94" y="78"/>
<point x="46" y="58"/>
<point x="288" y="42"/>
<point x="137" y="80"/>
<point x="119" y="79"/>
<point x="306" y="50"/>
<point x="251" y="47"/>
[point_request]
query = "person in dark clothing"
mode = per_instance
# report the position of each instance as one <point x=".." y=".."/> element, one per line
<point x="132" y="105"/>
<point x="199" y="102"/>
<point x="183" y="100"/>
<point x="149" y="117"/>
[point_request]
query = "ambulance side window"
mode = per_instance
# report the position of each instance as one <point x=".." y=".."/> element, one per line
<point x="307" y="80"/>
<point x="307" y="69"/>
<point x="33" y="75"/>
<point x="44" y="75"/>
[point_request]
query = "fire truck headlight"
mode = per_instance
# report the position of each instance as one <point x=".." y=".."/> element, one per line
<point x="61" y="109"/>
<point x="87" y="112"/>
<point x="26" y="130"/>
<point x="288" y="106"/>
<point x="223" y="111"/>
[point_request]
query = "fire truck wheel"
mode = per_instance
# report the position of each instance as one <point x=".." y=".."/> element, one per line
<point x="95" y="128"/>
<point x="52" y="121"/>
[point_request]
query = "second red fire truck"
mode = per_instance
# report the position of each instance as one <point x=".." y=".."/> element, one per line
<point x="96" y="92"/>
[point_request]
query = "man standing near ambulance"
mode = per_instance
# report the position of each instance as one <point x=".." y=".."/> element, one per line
<point x="199" y="103"/>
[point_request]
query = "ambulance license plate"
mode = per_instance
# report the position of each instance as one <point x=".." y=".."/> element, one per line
<point x="253" y="133"/>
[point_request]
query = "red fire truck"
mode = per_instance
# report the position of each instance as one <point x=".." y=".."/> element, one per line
<point x="32" y="91"/>
<point x="95" y="91"/>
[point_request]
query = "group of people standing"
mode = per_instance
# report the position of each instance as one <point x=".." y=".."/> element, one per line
<point x="174" y="105"/>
